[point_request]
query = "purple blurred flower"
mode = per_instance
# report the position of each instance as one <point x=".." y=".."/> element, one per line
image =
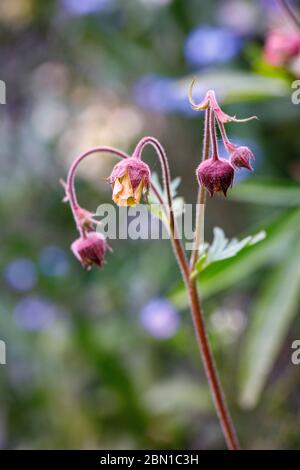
<point x="35" y="313"/>
<point x="271" y="5"/>
<point x="86" y="7"/>
<point x="53" y="261"/>
<point x="20" y="274"/>
<point x="239" y="15"/>
<point x="159" y="318"/>
<point x="208" y="45"/>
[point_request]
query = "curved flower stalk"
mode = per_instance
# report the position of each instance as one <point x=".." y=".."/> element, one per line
<point x="210" y="100"/>
<point x="87" y="247"/>
<point x="215" y="174"/>
<point x="130" y="181"/>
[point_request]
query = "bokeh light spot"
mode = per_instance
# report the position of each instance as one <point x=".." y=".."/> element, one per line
<point x="159" y="318"/>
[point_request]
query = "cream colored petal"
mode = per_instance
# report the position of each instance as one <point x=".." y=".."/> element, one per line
<point x="123" y="194"/>
<point x="117" y="187"/>
<point x="138" y="192"/>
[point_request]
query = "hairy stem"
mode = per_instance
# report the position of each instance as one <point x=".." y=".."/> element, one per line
<point x="228" y="145"/>
<point x="198" y="321"/>
<point x="199" y="230"/>
<point x="209" y="366"/>
<point x="213" y="137"/>
<point x="210" y="369"/>
<point x="176" y="242"/>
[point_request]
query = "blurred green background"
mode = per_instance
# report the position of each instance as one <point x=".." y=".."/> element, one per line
<point x="107" y="359"/>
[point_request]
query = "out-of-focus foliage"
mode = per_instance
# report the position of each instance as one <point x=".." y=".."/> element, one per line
<point x="102" y="359"/>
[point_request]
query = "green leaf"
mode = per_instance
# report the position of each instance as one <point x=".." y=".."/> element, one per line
<point x="229" y="272"/>
<point x="272" y="316"/>
<point x="177" y="395"/>
<point x="269" y="192"/>
<point x="221" y="248"/>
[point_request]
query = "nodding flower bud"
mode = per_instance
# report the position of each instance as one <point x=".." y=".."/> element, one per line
<point x="130" y="179"/>
<point x="241" y="158"/>
<point x="215" y="174"/>
<point x="90" y="249"/>
<point x="84" y="218"/>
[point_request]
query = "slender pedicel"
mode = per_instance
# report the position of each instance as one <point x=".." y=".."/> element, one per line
<point x="130" y="179"/>
<point x="199" y="230"/>
<point x="210" y="99"/>
<point x="70" y="187"/>
<point x="197" y="316"/>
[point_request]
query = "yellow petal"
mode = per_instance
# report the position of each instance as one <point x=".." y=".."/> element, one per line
<point x="117" y="187"/>
<point x="138" y="192"/>
<point x="123" y="194"/>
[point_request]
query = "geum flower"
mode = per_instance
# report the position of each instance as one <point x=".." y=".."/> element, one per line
<point x="215" y="174"/>
<point x="241" y="158"/>
<point x="130" y="180"/>
<point x="211" y="100"/>
<point x="90" y="249"/>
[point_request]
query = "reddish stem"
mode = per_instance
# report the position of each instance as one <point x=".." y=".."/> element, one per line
<point x="211" y="371"/>
<point x="230" y="147"/>
<point x="213" y="138"/>
<point x="176" y="243"/>
<point x="209" y="366"/>
<point x="197" y="315"/>
<point x="201" y="193"/>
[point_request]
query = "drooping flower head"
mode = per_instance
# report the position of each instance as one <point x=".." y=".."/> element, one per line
<point x="215" y="174"/>
<point x="130" y="180"/>
<point x="90" y="249"/>
<point x="241" y="158"/>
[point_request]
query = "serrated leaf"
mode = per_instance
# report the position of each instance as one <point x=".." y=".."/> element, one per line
<point x="229" y="272"/>
<point x="272" y="316"/>
<point x="175" y="185"/>
<point x="222" y="248"/>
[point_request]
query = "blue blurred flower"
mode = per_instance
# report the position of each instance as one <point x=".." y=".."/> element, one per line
<point x="86" y="7"/>
<point x="53" y="261"/>
<point x="20" y="274"/>
<point x="161" y="94"/>
<point x="35" y="313"/>
<point x="159" y="318"/>
<point x="208" y="45"/>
